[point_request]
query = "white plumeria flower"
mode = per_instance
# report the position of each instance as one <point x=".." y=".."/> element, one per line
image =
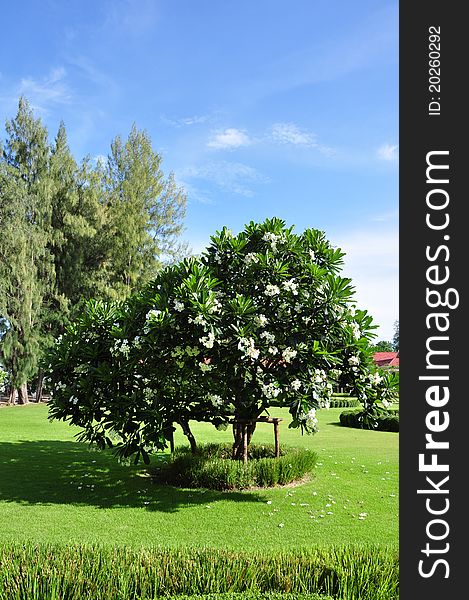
<point x="354" y="360"/>
<point x="261" y="320"/>
<point x="179" y="306"/>
<point x="312" y="255"/>
<point x="208" y="340"/>
<point x="272" y="290"/>
<point x="268" y="337"/>
<point x="311" y="417"/>
<point x="253" y="352"/>
<point x="215" y="399"/>
<point x="291" y="286"/>
<point x="246" y="345"/>
<point x="270" y="390"/>
<point x="124" y="347"/>
<point x="296" y="384"/>
<point x="251" y="258"/>
<point x="288" y="354"/>
<point x="273" y="350"/>
<point x="153" y="314"/>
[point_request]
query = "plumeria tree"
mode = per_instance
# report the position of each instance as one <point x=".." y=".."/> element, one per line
<point x="261" y="319"/>
<point x="94" y="384"/>
<point x="127" y="372"/>
<point x="288" y="330"/>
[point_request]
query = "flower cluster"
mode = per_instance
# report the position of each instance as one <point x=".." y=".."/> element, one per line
<point x="273" y="239"/>
<point x="120" y="347"/>
<point x="246" y="345"/>
<point x="289" y="354"/>
<point x="208" y="340"/>
<point x="272" y="290"/>
<point x="251" y="258"/>
<point x="291" y="286"/>
<point x="270" y="390"/>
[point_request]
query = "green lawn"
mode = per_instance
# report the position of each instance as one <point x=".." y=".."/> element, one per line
<point x="53" y="489"/>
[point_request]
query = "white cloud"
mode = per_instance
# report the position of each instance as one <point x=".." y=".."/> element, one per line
<point x="372" y="262"/>
<point x="194" y="193"/>
<point x="50" y="89"/>
<point x="229" y="139"/>
<point x="230" y="176"/>
<point x="389" y="152"/>
<point x="185" y="121"/>
<point x="289" y="133"/>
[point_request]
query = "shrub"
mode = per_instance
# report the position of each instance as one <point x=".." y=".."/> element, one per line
<point x="344" y="402"/>
<point x="382" y="420"/>
<point x="213" y="468"/>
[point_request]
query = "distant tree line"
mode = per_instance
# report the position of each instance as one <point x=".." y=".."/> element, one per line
<point x="386" y="346"/>
<point x="73" y="230"/>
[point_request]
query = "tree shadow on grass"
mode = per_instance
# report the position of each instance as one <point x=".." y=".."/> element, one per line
<point x="60" y="472"/>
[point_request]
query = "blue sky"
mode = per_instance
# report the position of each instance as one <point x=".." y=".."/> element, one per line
<point x="260" y="108"/>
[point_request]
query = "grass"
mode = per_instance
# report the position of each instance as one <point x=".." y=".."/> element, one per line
<point x="54" y="490"/>
<point x="101" y="573"/>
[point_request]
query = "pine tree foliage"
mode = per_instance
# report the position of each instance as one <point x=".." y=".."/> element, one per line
<point x="73" y="231"/>
<point x="26" y="267"/>
<point x="144" y="213"/>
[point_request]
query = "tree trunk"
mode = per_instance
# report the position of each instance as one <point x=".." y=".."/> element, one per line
<point x="23" y="394"/>
<point x="169" y="435"/>
<point x="189" y="435"/>
<point x="12" y="395"/>
<point x="40" y="385"/>
<point x="242" y="434"/>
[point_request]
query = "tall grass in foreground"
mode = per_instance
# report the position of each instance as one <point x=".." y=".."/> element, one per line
<point x="81" y="572"/>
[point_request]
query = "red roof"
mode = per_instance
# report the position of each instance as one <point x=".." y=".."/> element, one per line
<point x="386" y="359"/>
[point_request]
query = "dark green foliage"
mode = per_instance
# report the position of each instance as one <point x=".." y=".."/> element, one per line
<point x="82" y="572"/>
<point x="95" y="385"/>
<point x="383" y="420"/>
<point x="213" y="468"/>
<point x="383" y="346"/>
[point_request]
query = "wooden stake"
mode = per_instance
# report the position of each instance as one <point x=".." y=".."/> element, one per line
<point x="245" y="443"/>
<point x="277" y="438"/>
